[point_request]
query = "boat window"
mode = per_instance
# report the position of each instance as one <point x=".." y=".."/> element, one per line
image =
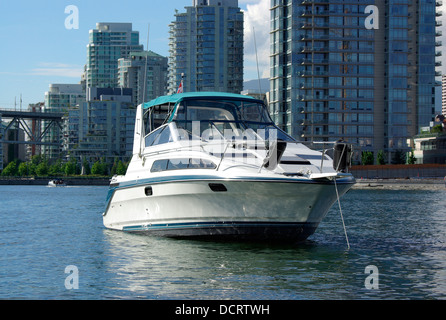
<point x="156" y="116"/>
<point x="254" y="112"/>
<point x="177" y="164"/>
<point x="159" y="136"/>
<point x="181" y="163"/>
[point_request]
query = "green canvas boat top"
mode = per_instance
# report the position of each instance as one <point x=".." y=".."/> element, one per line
<point x="178" y="97"/>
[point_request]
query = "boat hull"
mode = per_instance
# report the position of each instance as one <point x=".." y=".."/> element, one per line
<point x="221" y="209"/>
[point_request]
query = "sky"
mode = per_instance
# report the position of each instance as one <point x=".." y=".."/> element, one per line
<point x="37" y="49"/>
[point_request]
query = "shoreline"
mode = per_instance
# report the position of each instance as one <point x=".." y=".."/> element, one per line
<point x="73" y="181"/>
<point x="401" y="184"/>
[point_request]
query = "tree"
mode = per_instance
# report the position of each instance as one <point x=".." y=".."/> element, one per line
<point x="11" y="169"/>
<point x="381" y="158"/>
<point x="367" y="158"/>
<point x="71" y="167"/>
<point x="114" y="167"/>
<point x="42" y="168"/>
<point x="86" y="166"/>
<point x="411" y="158"/>
<point x="23" y="169"/>
<point x="56" y="169"/>
<point x="121" y="169"/>
<point x="100" y="168"/>
<point x="437" y="129"/>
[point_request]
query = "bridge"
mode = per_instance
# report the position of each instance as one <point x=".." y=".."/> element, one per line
<point x="35" y="137"/>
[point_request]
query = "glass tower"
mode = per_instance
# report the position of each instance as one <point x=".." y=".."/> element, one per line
<point x="108" y="43"/>
<point x="363" y="71"/>
<point x="206" y="47"/>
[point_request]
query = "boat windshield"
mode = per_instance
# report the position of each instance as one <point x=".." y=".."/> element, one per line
<point x="237" y="116"/>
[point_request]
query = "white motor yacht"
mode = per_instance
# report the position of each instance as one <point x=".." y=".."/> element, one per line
<point x="214" y="165"/>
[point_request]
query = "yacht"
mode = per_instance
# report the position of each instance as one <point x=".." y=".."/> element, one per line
<point x="215" y="166"/>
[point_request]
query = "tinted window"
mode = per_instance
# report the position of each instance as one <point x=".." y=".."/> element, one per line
<point x="182" y="163"/>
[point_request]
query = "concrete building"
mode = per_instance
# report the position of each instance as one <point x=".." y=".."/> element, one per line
<point x="345" y="70"/>
<point x="443" y="95"/>
<point x="102" y="127"/>
<point x="143" y="70"/>
<point x="108" y="43"/>
<point x="59" y="98"/>
<point x="430" y="149"/>
<point x="206" y="47"/>
<point x="9" y="151"/>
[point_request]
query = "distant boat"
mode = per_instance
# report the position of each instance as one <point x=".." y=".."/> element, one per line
<point x="57" y="183"/>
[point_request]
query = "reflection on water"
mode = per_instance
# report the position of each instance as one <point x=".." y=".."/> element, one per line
<point x="165" y="268"/>
<point x="402" y="236"/>
<point x="400" y="232"/>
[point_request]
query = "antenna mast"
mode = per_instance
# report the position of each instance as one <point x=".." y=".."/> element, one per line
<point x="257" y="59"/>
<point x="145" y="71"/>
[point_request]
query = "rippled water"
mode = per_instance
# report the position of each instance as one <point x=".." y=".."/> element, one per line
<point x="44" y="230"/>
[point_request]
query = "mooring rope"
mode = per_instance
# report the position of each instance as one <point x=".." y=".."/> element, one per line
<point x="342" y="216"/>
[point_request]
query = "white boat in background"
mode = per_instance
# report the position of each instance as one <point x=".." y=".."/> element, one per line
<point x="57" y="183"/>
<point x="214" y="165"/>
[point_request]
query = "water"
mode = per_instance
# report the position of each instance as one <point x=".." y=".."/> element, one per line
<point x="43" y="230"/>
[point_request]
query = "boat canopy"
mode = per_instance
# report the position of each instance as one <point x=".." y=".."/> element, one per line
<point x="175" y="98"/>
<point x="215" y="111"/>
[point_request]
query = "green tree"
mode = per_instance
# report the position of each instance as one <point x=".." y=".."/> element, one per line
<point x="437" y="129"/>
<point x="42" y="168"/>
<point x="86" y="166"/>
<point x="56" y="169"/>
<point x="381" y="158"/>
<point x="23" y="169"/>
<point x="367" y="158"/>
<point x="114" y="167"/>
<point x="71" y="167"/>
<point x="11" y="169"/>
<point x="121" y="168"/>
<point x="99" y="168"/>
<point x="36" y="159"/>
<point x="411" y="158"/>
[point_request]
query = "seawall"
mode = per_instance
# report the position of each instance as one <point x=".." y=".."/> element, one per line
<point x="403" y="171"/>
<point x="91" y="181"/>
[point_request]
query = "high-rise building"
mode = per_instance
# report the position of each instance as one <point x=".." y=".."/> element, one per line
<point x="443" y="95"/>
<point x="139" y="66"/>
<point x="363" y="71"/>
<point x="108" y="43"/>
<point x="206" y="47"/>
<point x="102" y="127"/>
<point x="59" y="98"/>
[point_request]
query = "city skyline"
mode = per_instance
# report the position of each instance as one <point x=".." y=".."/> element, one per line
<point x="43" y="51"/>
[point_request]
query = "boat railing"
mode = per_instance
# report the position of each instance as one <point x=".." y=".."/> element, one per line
<point x="342" y="154"/>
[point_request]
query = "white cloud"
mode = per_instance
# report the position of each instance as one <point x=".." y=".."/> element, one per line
<point x="257" y="23"/>
<point x="57" y="69"/>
